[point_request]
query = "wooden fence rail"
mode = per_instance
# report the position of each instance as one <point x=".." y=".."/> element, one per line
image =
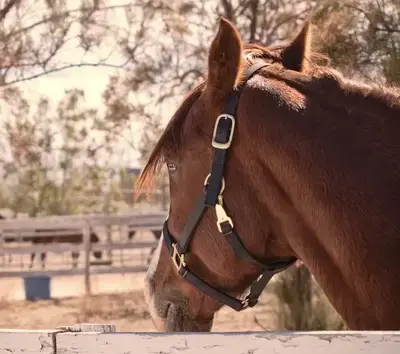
<point x="79" y="221"/>
<point x="103" y="339"/>
<point x="62" y="248"/>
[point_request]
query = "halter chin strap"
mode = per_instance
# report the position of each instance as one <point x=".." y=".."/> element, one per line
<point x="213" y="187"/>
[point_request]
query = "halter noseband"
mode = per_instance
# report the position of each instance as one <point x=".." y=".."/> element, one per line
<point x="214" y="186"/>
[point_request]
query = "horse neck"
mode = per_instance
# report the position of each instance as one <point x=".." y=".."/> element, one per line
<point x="331" y="190"/>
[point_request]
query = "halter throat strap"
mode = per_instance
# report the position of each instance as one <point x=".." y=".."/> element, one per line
<point x="213" y="188"/>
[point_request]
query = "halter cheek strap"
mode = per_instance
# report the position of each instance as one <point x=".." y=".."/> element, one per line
<point x="214" y="186"/>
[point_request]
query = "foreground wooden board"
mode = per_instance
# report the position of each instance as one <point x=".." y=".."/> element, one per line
<point x="14" y="341"/>
<point x="61" y="342"/>
<point x="230" y="343"/>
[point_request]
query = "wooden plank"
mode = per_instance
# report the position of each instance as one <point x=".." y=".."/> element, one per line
<point x="39" y="223"/>
<point x="15" y="231"/>
<point x="90" y="338"/>
<point x="79" y="221"/>
<point x="232" y="343"/>
<point x="94" y="216"/>
<point x="53" y="248"/>
<point x="62" y="248"/>
<point x="75" y="271"/>
<point x="131" y="220"/>
<point x="19" y="235"/>
<point x="146" y="226"/>
<point x="14" y="341"/>
<point x="123" y="245"/>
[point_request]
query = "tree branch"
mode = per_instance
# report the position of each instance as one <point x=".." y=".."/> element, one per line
<point x="62" y="68"/>
<point x="228" y="9"/>
<point x="7" y="8"/>
<point x="66" y="14"/>
<point x="253" y="20"/>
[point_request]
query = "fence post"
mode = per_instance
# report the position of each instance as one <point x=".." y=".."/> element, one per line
<point x="88" y="247"/>
<point x="123" y="237"/>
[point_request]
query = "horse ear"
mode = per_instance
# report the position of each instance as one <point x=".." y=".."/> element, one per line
<point x="224" y="60"/>
<point x="296" y="55"/>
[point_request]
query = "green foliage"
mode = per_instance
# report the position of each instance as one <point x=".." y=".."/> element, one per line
<point x="56" y="159"/>
<point x="362" y="37"/>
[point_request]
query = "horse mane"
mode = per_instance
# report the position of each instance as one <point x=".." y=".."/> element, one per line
<point x="168" y="143"/>
<point x="318" y="71"/>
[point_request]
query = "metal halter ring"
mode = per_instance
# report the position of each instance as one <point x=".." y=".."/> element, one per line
<point x="178" y="258"/>
<point x="223" y="183"/>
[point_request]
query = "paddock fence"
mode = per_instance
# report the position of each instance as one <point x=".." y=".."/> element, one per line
<point x="103" y="339"/>
<point x="62" y="236"/>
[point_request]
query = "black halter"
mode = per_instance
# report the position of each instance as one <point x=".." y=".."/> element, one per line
<point x="214" y="186"/>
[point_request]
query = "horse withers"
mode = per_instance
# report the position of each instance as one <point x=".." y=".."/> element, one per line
<point x="277" y="157"/>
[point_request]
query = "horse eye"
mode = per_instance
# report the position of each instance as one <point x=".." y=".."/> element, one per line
<point x="171" y="167"/>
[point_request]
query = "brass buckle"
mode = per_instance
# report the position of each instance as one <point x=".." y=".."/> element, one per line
<point x="228" y="143"/>
<point x="221" y="215"/>
<point x="177" y="258"/>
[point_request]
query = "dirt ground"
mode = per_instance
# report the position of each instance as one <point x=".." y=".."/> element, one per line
<point x="119" y="300"/>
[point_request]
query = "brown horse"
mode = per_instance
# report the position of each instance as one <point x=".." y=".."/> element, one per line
<point x="72" y="237"/>
<point x="311" y="171"/>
